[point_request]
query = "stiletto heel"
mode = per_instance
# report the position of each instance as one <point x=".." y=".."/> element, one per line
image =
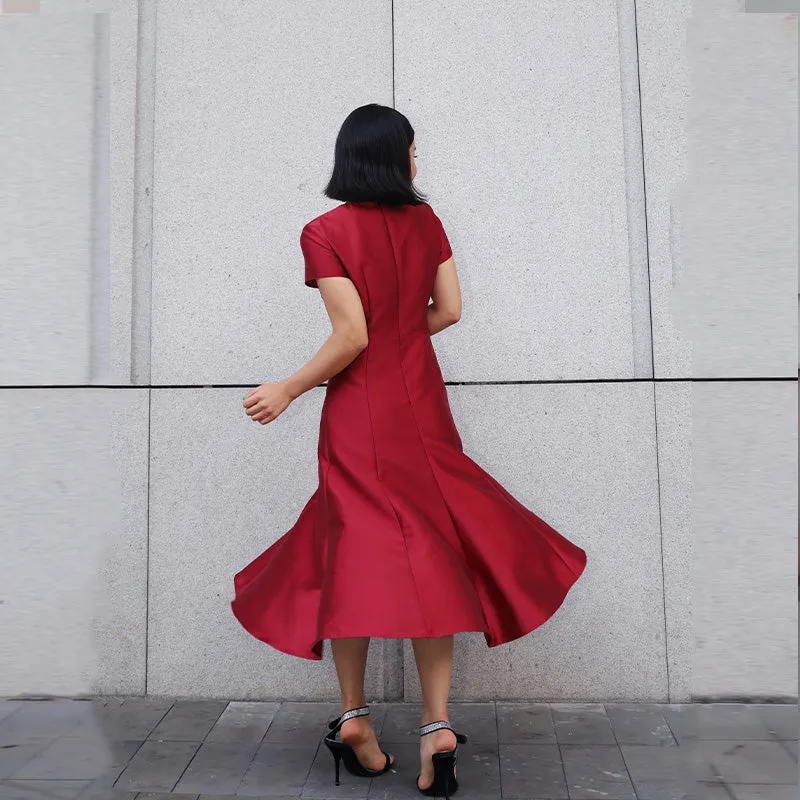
<point x="337" y="757"/>
<point x="444" y="764"/>
<point x="343" y="752"/>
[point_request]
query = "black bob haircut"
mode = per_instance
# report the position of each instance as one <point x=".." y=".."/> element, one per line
<point x="371" y="159"/>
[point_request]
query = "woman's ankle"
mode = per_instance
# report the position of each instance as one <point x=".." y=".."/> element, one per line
<point x="434" y="715"/>
<point x="349" y="703"/>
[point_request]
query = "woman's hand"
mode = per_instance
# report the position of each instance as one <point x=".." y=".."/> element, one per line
<point x="266" y="402"/>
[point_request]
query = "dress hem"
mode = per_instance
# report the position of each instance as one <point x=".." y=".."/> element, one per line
<point x="311" y="655"/>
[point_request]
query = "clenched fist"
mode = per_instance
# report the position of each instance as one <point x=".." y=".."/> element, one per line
<point x="266" y="402"/>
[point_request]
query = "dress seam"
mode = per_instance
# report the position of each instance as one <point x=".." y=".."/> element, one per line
<point x="419" y="432"/>
<point x="325" y="506"/>
<point x="385" y="491"/>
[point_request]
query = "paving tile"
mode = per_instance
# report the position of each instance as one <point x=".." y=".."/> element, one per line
<point x="8" y="707"/>
<point x="672" y="790"/>
<point x="640" y="724"/>
<point x="167" y="796"/>
<point x="658" y="773"/>
<point x="301" y="723"/>
<point x="130" y="718"/>
<point x="60" y="742"/>
<point x="157" y="766"/>
<point x="740" y="721"/>
<point x="532" y="771"/>
<point x="243" y="722"/>
<point x="217" y="767"/>
<point x="15" y="757"/>
<point x="709" y="791"/>
<point x="477" y="720"/>
<point x="743" y="762"/>
<point x="41" y="790"/>
<point x="646" y="763"/>
<point x="112" y="719"/>
<point x="402" y="723"/>
<point x="189" y="720"/>
<point x="597" y="771"/>
<point x="763" y="792"/>
<point x="733" y="721"/>
<point x="477" y="770"/>
<point x="525" y="723"/>
<point x="720" y="791"/>
<point x="791" y="748"/>
<point x="79" y="759"/>
<point x="19" y="737"/>
<point x="320" y="781"/>
<point x="682" y="720"/>
<point x="229" y="797"/>
<point x="582" y="724"/>
<point x="103" y="789"/>
<point x="396" y="784"/>
<point x="278" y="769"/>
<point x="780" y="721"/>
<point x="37" y="720"/>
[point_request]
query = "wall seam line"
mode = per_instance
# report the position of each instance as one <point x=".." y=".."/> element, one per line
<point x="653" y="366"/>
<point x="635" y="190"/>
<point x="147" y="546"/>
<point x="141" y="257"/>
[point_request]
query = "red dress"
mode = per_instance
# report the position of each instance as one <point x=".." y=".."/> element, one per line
<point x="405" y="535"/>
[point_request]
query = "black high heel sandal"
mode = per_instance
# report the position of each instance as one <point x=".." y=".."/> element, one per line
<point x="444" y="764"/>
<point x="344" y="752"/>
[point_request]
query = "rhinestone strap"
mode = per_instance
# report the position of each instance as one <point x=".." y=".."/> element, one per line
<point x="354" y="712"/>
<point x="434" y="726"/>
<point x="336" y="724"/>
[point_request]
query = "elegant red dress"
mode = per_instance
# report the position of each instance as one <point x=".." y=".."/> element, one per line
<point x="405" y="535"/>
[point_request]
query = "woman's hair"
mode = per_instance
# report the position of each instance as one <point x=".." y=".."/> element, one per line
<point x="371" y="159"/>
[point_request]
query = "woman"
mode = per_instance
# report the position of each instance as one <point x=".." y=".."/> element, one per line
<point x="405" y="536"/>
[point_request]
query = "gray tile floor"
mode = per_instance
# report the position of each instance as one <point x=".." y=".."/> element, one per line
<point x="109" y="748"/>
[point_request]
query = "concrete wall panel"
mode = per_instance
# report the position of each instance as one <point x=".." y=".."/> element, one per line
<point x="46" y="73"/>
<point x="194" y="139"/>
<point x="73" y="511"/>
<point x="583" y="458"/>
<point x="674" y="433"/>
<point x="242" y="154"/>
<point x="519" y="123"/>
<point x="66" y="231"/>
<point x="223" y="489"/>
<point x="744" y="517"/>
<point x="664" y="91"/>
<point x="726" y="238"/>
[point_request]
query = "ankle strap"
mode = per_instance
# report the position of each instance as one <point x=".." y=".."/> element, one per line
<point x="362" y="711"/>
<point x="424" y="730"/>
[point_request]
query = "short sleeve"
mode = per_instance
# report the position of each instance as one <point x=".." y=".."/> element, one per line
<point x="320" y="259"/>
<point x="445" y="251"/>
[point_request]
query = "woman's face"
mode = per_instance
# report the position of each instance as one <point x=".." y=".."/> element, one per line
<point x="412" y="155"/>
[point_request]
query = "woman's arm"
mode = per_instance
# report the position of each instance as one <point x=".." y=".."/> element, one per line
<point x="348" y="338"/>
<point x="445" y="310"/>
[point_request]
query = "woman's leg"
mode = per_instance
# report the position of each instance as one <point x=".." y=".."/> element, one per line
<point x="434" y="659"/>
<point x="350" y="657"/>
